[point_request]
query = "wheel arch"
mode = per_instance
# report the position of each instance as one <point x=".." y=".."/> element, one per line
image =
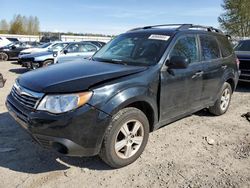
<point x="142" y="101"/>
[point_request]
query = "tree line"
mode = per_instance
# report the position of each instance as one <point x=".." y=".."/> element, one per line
<point x="21" y="25"/>
<point x="236" y="18"/>
<point x="235" y="21"/>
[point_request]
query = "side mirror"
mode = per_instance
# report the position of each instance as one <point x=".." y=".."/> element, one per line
<point x="13" y="47"/>
<point x="65" y="51"/>
<point x="178" y="62"/>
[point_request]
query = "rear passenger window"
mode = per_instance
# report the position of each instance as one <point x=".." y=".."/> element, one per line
<point x="225" y="46"/>
<point x="186" y="47"/>
<point x="209" y="48"/>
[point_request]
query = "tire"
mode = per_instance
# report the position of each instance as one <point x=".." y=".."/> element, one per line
<point x="4" y="56"/>
<point x="48" y="63"/>
<point x="222" y="104"/>
<point x="133" y="144"/>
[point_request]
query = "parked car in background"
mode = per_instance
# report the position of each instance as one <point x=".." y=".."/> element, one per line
<point x="242" y="51"/>
<point x="61" y="53"/>
<point x="12" y="50"/>
<point x="40" y="48"/>
<point x="140" y="81"/>
<point x="97" y="43"/>
<point x="43" y="58"/>
<point x="11" y="39"/>
<point x="46" y="39"/>
<point x="4" y="41"/>
<point x="77" y="52"/>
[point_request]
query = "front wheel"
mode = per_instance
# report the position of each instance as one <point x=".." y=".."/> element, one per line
<point x="125" y="138"/>
<point x="222" y="104"/>
<point x="3" y="56"/>
<point x="48" y="63"/>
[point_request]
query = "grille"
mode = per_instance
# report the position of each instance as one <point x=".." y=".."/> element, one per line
<point x="26" y="98"/>
<point x="28" y="59"/>
<point x="245" y="64"/>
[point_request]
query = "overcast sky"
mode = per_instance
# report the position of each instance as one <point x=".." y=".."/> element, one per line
<point x="110" y="16"/>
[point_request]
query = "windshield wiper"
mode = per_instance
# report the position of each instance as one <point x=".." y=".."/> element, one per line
<point x="114" y="61"/>
<point x="119" y="61"/>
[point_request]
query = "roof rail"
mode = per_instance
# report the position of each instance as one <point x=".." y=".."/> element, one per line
<point x="181" y="27"/>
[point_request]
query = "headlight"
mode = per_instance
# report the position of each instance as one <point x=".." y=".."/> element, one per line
<point x="63" y="103"/>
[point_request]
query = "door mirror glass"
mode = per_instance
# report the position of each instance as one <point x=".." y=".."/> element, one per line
<point x="178" y="62"/>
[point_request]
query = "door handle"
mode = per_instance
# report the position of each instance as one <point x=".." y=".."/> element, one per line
<point x="224" y="67"/>
<point x="198" y="74"/>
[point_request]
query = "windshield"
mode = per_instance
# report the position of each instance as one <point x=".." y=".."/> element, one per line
<point x="134" y="49"/>
<point x="58" y="46"/>
<point x="44" y="45"/>
<point x="243" y="46"/>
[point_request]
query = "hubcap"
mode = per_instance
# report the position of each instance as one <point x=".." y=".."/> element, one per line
<point x="48" y="63"/>
<point x="129" y="139"/>
<point x="3" y="57"/>
<point x="225" y="98"/>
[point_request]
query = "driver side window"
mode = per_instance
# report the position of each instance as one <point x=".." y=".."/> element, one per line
<point x="187" y="47"/>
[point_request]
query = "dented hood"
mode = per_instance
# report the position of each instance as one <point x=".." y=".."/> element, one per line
<point x="74" y="76"/>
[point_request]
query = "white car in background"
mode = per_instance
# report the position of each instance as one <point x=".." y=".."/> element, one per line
<point x="4" y="41"/>
<point x="42" y="48"/>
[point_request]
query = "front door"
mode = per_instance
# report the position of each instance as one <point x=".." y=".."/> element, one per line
<point x="181" y="88"/>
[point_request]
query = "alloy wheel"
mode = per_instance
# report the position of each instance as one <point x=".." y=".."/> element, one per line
<point x="225" y="99"/>
<point x="3" y="56"/>
<point x="129" y="139"/>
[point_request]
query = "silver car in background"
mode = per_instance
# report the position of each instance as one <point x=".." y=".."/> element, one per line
<point x="77" y="52"/>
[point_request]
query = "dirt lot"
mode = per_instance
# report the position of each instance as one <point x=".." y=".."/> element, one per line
<point x="177" y="155"/>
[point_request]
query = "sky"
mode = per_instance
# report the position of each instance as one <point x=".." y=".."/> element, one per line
<point x="111" y="16"/>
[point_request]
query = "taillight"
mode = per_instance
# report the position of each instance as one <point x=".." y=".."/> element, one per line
<point x="237" y="63"/>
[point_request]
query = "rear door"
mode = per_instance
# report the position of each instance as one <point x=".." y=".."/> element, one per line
<point x="214" y="67"/>
<point x="181" y="88"/>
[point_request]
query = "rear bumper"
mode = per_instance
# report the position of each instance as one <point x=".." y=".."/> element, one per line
<point x="76" y="133"/>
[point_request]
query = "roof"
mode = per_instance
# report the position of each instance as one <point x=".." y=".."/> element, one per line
<point x="171" y="29"/>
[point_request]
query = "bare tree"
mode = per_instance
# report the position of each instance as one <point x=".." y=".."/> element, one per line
<point x="4" y="26"/>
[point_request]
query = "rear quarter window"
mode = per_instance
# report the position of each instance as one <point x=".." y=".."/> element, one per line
<point x="225" y="46"/>
<point x="209" y="47"/>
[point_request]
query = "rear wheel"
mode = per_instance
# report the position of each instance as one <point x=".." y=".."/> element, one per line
<point x="126" y="138"/>
<point x="222" y="104"/>
<point x="3" y="56"/>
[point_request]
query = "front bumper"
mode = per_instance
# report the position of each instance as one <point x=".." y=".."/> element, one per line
<point x="245" y="76"/>
<point x="29" y="63"/>
<point x="76" y="133"/>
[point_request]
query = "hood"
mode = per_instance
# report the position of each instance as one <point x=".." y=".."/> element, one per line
<point x="74" y="76"/>
<point x="29" y="50"/>
<point x="38" y="54"/>
<point x="4" y="47"/>
<point x="243" y="55"/>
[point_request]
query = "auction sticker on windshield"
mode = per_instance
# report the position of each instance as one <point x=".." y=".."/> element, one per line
<point x="159" y="37"/>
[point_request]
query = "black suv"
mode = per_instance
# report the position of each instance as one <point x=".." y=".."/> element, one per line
<point x="242" y="51"/>
<point x="140" y="81"/>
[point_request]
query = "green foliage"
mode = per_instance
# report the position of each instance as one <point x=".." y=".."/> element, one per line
<point x="236" y="18"/>
<point x="21" y="25"/>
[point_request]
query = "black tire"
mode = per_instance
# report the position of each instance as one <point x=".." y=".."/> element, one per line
<point x="4" y="56"/>
<point x="48" y="63"/>
<point x="217" y="108"/>
<point x="108" y="152"/>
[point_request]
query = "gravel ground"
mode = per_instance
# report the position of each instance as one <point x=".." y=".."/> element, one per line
<point x="198" y="151"/>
